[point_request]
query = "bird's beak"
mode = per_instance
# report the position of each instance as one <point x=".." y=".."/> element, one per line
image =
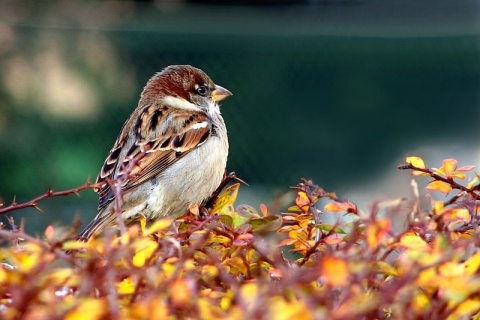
<point x="220" y="93"/>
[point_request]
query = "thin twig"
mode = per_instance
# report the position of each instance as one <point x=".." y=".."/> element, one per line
<point x="117" y="187"/>
<point x="49" y="194"/>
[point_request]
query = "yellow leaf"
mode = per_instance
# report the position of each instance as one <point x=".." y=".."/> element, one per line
<point x="472" y="264"/>
<point x="438" y="207"/>
<point x="420" y="302"/>
<point x="417" y="162"/>
<point x="474" y="182"/>
<point x="334" y="271"/>
<point x="74" y="245"/>
<point x="95" y="308"/>
<point x="214" y="238"/>
<point x="461" y="176"/>
<point x="428" y="278"/>
<point x="249" y="291"/>
<point x="419" y="173"/>
<point x="126" y="286"/>
<point x="26" y="261"/>
<point x="279" y="309"/>
<point x="63" y="276"/>
<point x="204" y="309"/>
<point x="170" y="267"/>
<point x="226" y="301"/>
<point x="226" y="200"/>
<point x="384" y="268"/>
<point x="227" y="210"/>
<point x="236" y="264"/>
<point x="357" y="306"/>
<point x="147" y="248"/>
<point x="451" y="269"/>
<point x="210" y="271"/>
<point x="242" y="214"/>
<point x="462" y="214"/>
<point x="441" y="186"/>
<point x="466" y="309"/>
<point x="159" y="225"/>
<point x="411" y="241"/>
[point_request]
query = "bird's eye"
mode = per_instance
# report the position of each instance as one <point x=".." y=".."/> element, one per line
<point x="202" y="90"/>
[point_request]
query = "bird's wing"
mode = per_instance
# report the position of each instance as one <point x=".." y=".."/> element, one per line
<point x="160" y="137"/>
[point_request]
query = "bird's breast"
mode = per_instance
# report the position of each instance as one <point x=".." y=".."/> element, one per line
<point x="190" y="181"/>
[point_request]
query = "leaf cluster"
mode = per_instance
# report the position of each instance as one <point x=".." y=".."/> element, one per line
<point x="241" y="263"/>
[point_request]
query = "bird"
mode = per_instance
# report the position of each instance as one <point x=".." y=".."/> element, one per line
<point x="170" y="154"/>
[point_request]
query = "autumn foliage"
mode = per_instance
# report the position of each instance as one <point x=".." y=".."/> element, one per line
<point x="247" y="263"/>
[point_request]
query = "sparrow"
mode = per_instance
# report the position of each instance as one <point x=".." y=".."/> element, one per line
<point x="171" y="153"/>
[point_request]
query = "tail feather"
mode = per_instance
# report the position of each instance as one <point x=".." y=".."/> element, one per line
<point x="96" y="225"/>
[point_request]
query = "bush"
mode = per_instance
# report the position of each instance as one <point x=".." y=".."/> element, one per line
<point x="247" y="264"/>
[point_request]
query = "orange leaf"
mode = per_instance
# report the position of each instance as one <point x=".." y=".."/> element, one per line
<point x="332" y="240"/>
<point x="449" y="165"/>
<point x="334" y="271"/>
<point x="263" y="210"/>
<point x="333" y="207"/>
<point x="302" y="201"/>
<point x="182" y="291"/>
<point x="286" y="242"/>
<point x="340" y="206"/>
<point x="441" y="186"/>
<point x="376" y="233"/>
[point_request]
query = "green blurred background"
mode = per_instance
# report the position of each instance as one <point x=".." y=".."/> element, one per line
<point x="335" y="91"/>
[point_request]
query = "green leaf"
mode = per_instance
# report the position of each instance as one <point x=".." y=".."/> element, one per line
<point x="270" y="223"/>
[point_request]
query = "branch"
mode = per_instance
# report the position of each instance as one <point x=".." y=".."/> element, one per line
<point x="49" y="194"/>
<point x="435" y="176"/>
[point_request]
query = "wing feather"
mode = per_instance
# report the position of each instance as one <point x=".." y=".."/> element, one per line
<point x="162" y="137"/>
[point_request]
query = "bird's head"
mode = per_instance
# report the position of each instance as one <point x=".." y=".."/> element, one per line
<point x="184" y="87"/>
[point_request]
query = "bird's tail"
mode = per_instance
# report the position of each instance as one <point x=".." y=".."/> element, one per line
<point x="101" y="221"/>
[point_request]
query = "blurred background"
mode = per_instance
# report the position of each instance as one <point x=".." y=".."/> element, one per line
<point x="335" y="91"/>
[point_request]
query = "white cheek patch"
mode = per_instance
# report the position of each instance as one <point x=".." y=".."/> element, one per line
<point x="180" y="103"/>
<point x="200" y="125"/>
